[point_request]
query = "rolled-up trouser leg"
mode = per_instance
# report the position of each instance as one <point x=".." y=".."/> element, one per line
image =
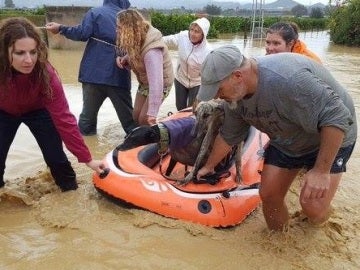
<point x="64" y="176"/>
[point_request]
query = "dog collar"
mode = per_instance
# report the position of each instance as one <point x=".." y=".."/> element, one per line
<point x="164" y="138"/>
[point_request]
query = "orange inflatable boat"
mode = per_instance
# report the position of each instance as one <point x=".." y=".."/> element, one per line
<point x="134" y="176"/>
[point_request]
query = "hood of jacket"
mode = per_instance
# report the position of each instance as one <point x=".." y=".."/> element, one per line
<point x="204" y="24"/>
<point x="123" y="4"/>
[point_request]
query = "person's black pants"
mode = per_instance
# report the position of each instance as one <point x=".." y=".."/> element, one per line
<point x="93" y="97"/>
<point x="42" y="127"/>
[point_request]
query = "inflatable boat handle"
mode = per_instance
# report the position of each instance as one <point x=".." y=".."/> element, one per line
<point x="104" y="173"/>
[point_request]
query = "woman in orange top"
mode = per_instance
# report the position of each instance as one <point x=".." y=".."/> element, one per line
<point x="284" y="37"/>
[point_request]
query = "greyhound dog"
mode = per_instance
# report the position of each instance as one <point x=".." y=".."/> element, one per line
<point x="209" y="118"/>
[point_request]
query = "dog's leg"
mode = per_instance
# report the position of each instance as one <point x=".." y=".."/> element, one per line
<point x="204" y="149"/>
<point x="198" y="161"/>
<point x="238" y="177"/>
<point x="171" y="166"/>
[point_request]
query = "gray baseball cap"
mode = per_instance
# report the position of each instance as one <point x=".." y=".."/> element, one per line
<point x="218" y="65"/>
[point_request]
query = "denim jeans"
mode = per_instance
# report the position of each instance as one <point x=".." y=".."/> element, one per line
<point x="42" y="127"/>
<point x="94" y="96"/>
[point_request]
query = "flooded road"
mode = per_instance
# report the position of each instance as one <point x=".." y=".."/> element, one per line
<point x="42" y="228"/>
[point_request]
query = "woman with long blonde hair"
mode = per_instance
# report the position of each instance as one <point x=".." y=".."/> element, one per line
<point x="148" y="57"/>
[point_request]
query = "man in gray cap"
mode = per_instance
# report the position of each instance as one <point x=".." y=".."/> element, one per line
<point x="308" y="116"/>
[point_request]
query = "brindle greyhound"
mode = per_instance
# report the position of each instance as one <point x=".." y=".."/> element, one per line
<point x="209" y="118"/>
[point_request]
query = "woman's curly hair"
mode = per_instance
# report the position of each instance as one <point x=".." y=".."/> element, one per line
<point x="11" y="30"/>
<point x="131" y="34"/>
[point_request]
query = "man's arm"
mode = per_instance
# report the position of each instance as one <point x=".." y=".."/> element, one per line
<point x="331" y="139"/>
<point x="317" y="180"/>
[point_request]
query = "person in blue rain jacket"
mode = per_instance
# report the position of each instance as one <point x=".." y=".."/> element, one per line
<point x="101" y="78"/>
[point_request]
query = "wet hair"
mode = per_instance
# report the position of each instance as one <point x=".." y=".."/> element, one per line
<point x="11" y="30"/>
<point x="131" y="34"/>
<point x="289" y="31"/>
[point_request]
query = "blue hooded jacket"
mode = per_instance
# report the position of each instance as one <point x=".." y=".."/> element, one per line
<point x="98" y="64"/>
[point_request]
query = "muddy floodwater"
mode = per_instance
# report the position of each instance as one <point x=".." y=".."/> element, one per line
<point x="42" y="228"/>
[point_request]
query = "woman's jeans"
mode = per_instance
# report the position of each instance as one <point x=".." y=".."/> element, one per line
<point x="42" y="127"/>
<point x="94" y="96"/>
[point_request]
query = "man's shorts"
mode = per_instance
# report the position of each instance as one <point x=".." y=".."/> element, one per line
<point x="275" y="157"/>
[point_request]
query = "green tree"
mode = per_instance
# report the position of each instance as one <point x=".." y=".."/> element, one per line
<point x="316" y="13"/>
<point x="9" y="4"/>
<point x="212" y="10"/>
<point x="345" y="23"/>
<point x="299" y="10"/>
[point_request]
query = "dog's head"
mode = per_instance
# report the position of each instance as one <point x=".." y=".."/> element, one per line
<point x="206" y="112"/>
<point x="209" y="116"/>
<point x="139" y="136"/>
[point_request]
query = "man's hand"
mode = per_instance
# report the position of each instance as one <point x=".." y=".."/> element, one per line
<point x="53" y="27"/>
<point x="315" y="185"/>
